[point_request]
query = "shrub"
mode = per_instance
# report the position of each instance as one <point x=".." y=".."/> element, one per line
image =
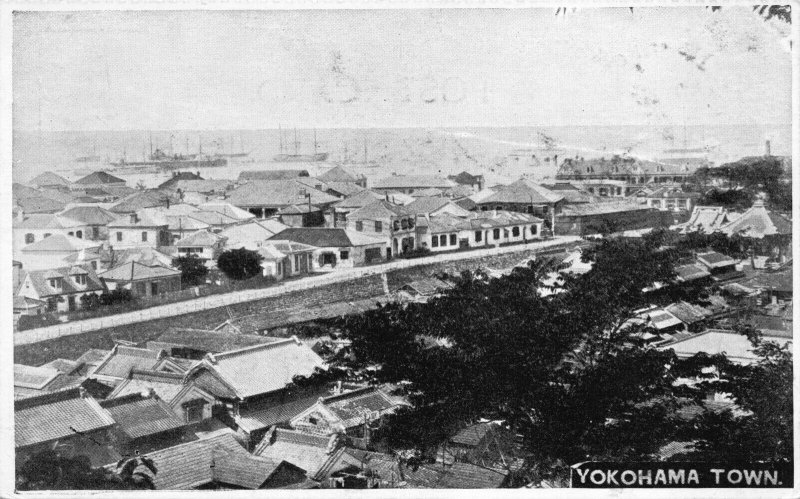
<point x="239" y="263"/>
<point x="193" y="270"/>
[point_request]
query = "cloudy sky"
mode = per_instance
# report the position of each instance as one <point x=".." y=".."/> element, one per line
<point x="257" y="69"/>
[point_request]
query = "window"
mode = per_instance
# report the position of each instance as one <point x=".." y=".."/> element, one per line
<point x="144" y="237"/>
<point x="119" y="236"/>
<point x="94" y="264"/>
<point x="452" y="239"/>
<point x="515" y="231"/>
<point x="194" y="413"/>
<point x="296" y="262"/>
<point x="404" y="223"/>
<point x="344" y="255"/>
<point x="95" y="232"/>
<point x="79" y="234"/>
<point x="55" y="283"/>
<point x="478" y="236"/>
<point x="141" y="288"/>
<point x="435" y="241"/>
<point x="359" y="225"/>
<point x="47" y="234"/>
<point x="443" y="240"/>
<point x="396" y="224"/>
<point x="29" y="238"/>
<point x="80" y="279"/>
<point x="496" y="234"/>
<point x="533" y="230"/>
<point x="498" y="207"/>
<point x="71" y="234"/>
<point x="378" y="226"/>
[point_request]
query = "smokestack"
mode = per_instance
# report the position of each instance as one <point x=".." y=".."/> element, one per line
<point x="767" y="149"/>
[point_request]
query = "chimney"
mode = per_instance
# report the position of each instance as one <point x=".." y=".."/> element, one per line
<point x="767" y="148"/>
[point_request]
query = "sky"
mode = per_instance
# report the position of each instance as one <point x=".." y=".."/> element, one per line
<point x="188" y="70"/>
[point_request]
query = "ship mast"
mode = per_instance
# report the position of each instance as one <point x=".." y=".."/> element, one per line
<point x="365" y="150"/>
<point x="280" y="136"/>
<point x="151" y="144"/>
<point x="296" y="143"/>
<point x="315" y="141"/>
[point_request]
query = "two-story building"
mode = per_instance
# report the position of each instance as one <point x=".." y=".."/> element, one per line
<point x="61" y="288"/>
<point x="136" y="230"/>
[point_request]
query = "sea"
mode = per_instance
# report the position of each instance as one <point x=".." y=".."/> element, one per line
<point x="378" y="152"/>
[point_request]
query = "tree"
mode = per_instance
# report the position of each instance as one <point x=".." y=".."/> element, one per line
<point x="48" y="470"/>
<point x="193" y="270"/>
<point x="240" y="263"/>
<point x="556" y="368"/>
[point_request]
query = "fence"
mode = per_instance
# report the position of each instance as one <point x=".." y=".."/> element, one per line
<point x="316" y="280"/>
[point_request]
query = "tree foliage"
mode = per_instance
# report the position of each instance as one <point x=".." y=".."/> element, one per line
<point x="193" y="270"/>
<point x="568" y="370"/>
<point x="240" y="263"/>
<point x="747" y="177"/>
<point x="48" y="470"/>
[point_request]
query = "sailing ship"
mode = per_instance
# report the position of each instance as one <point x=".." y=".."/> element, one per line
<point x="296" y="157"/>
<point x="231" y="154"/>
<point x="159" y="158"/>
<point x="93" y="158"/>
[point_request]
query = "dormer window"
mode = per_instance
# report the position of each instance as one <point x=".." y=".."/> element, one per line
<point x="80" y="279"/>
<point x="55" y="282"/>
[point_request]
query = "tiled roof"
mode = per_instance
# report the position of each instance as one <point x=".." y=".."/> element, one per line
<point x="199" y="238"/>
<point x="412" y="181"/>
<point x="93" y="356"/>
<point x="472" y="435"/>
<point x="179" y="176"/>
<point x="120" y="360"/>
<point x="428" y="286"/>
<point x="185" y="223"/>
<point x="304" y="450"/>
<point x="378" y="209"/>
<point x="207" y="341"/>
<point x="426" y="204"/>
<point x="673" y="192"/>
<point x="134" y="271"/>
<point x="712" y="259"/>
<point x="226" y="209"/>
<point x="360" y="199"/>
<point x="521" y="192"/>
<point x="139" y="416"/>
<point x="143" y="255"/>
<point x="735" y="346"/>
<point x="251" y="233"/>
<point x="90" y="215"/>
<point x="466" y="178"/>
<point x="39" y="204"/>
<point x="339" y="174"/>
<point x="65" y="366"/>
<point x="687" y="312"/>
<point x="100" y="178"/>
<point x="758" y="222"/>
<point x="289" y="247"/>
<point x="326" y="237"/>
<point x="48" y="179"/>
<point x="200" y="185"/>
<point x="256" y="417"/>
<point x="143" y="199"/>
<point x="143" y="218"/>
<point x="56" y="415"/>
<point x="353" y="407"/>
<point x="61" y="242"/>
<point x="272" y="174"/>
<point x="429" y="192"/>
<point x="191" y="465"/>
<point x="166" y="385"/>
<point x="622" y="165"/>
<point x="47" y="221"/>
<point x="265" y="368"/>
<point x="779" y="280"/>
<point x="33" y="377"/>
<point x="213" y="218"/>
<point x="601" y="208"/>
<point x="486" y="220"/>
<point x="242" y="470"/>
<point x="691" y="272"/>
<point x="270" y="253"/>
<point x="276" y="194"/>
<point x="40" y="281"/>
<point x="344" y="188"/>
<point x="59" y="383"/>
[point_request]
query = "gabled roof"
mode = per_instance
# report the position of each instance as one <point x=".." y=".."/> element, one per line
<point x="378" y="209"/>
<point x="426" y="204"/>
<point x="144" y="255"/>
<point x="264" y="368"/>
<point x="413" y="181"/>
<point x="466" y="178"/>
<point x="735" y="346"/>
<point x="179" y="176"/>
<point x="356" y="407"/>
<point x="199" y="238"/>
<point x="61" y="243"/>
<point x="758" y="222"/>
<point x="100" y="178"/>
<point x="779" y="280"/>
<point x="277" y="193"/>
<point x="205" y="340"/>
<point x="344" y="188"/>
<point x="90" y="215"/>
<point x="244" y="470"/>
<point x="288" y="247"/>
<point x="185" y="223"/>
<point x="358" y="200"/>
<point x="226" y="209"/>
<point x="713" y="260"/>
<point x="691" y="272"/>
<point x="144" y="218"/>
<point x="144" y="199"/>
<point x="340" y="174"/>
<point x="427" y="286"/>
<point x="326" y="237"/>
<point x="166" y="385"/>
<point x="520" y="192"/>
<point x="33" y="377"/>
<point x="602" y="208"/>
<point x="472" y="435"/>
<point x="121" y="360"/>
<point x="209" y="218"/>
<point x="686" y="312"/>
<point x="139" y="416"/>
<point x="39" y="279"/>
<point x="267" y="414"/>
<point x="39" y="204"/>
<point x="203" y="186"/>
<point x="47" y="221"/>
<point x="248" y="175"/>
<point x="304" y="450"/>
<point x="251" y="234"/>
<point x="56" y="415"/>
<point x="134" y="271"/>
<point x="707" y="219"/>
<point x="49" y="179"/>
<point x="192" y="464"/>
